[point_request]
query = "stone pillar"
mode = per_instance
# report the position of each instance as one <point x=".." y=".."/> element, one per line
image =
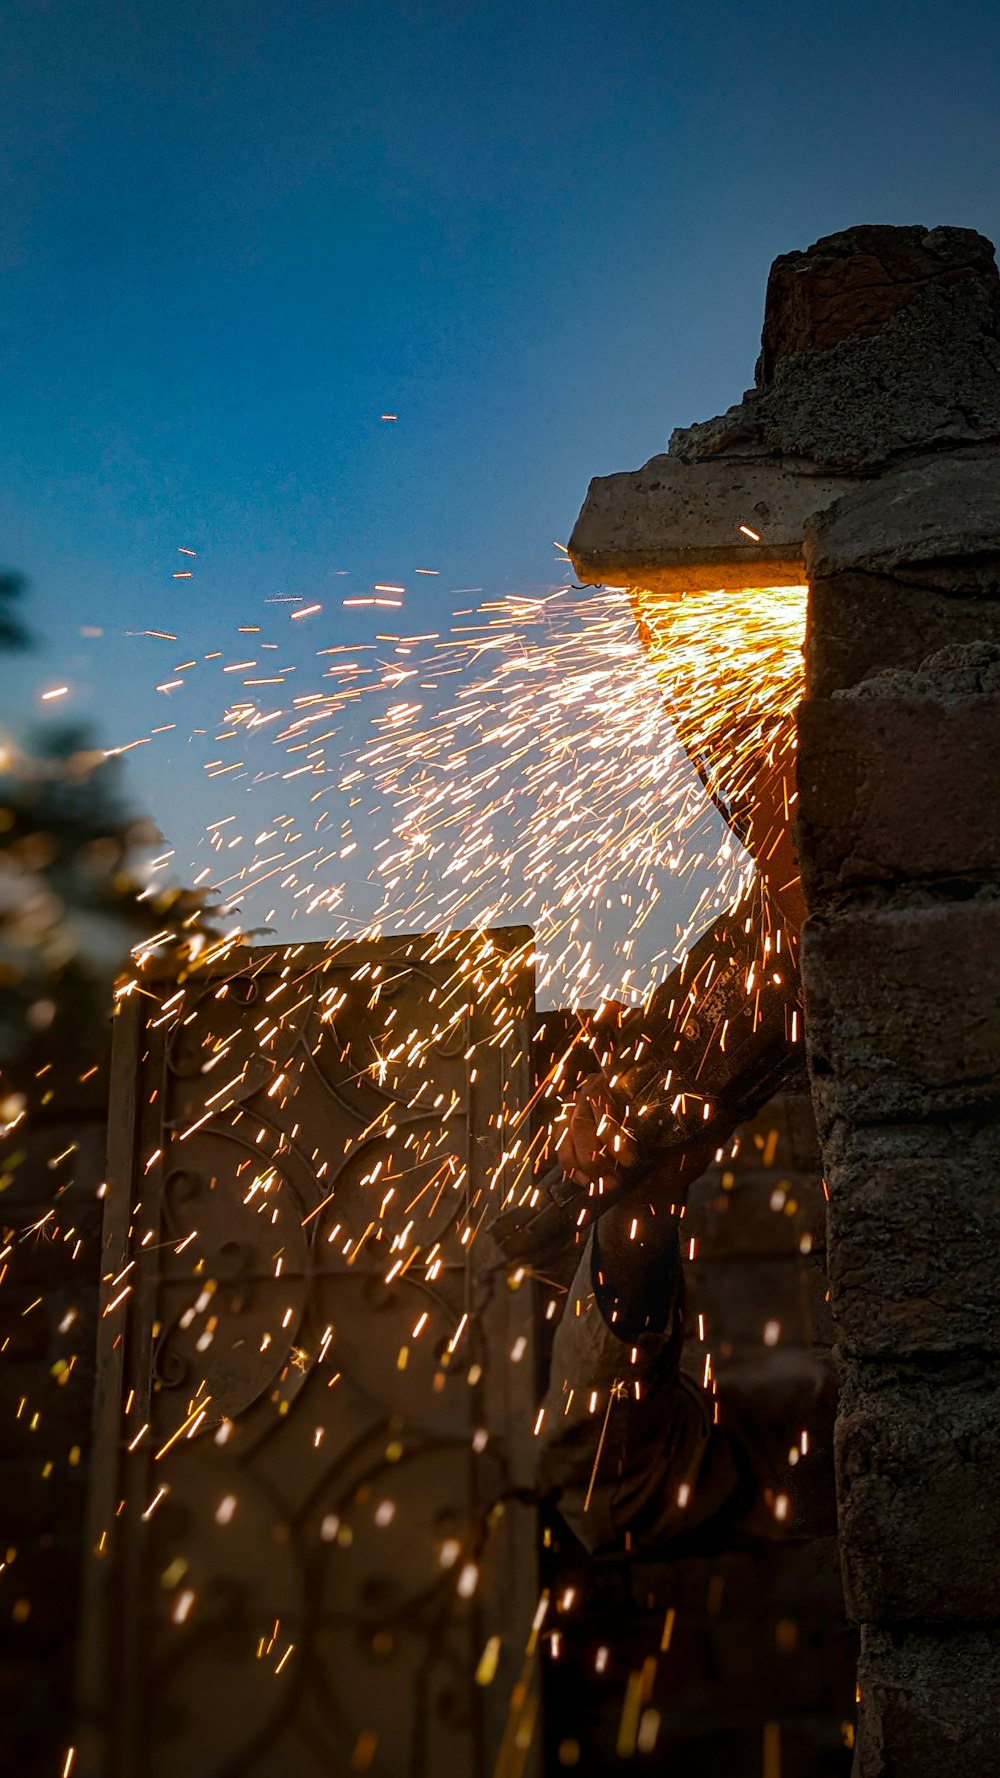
<point x="876" y="410"/>
<point x="899" y="843"/>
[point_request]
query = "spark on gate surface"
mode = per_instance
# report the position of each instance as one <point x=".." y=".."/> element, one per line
<point x="531" y="765"/>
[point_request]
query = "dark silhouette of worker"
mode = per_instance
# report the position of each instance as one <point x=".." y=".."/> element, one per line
<point x="635" y="1452"/>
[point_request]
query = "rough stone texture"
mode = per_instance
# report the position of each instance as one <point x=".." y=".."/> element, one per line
<point x="903" y="1012"/>
<point x="900" y="571"/>
<point x="930" y="1700"/>
<point x="850" y="284"/>
<point x="928" y="378"/>
<point x="673" y="527"/>
<point x="875" y="774"/>
<point x="962" y="670"/>
<point x="913" y="1230"/>
<point x="900" y="358"/>
<point x="899" y="842"/>
<point x="933" y="513"/>
<point x="859" y="624"/>
<point x="918" y="1454"/>
<point x="880" y="362"/>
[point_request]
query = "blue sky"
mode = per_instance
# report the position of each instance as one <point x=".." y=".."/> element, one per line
<point x="233" y="234"/>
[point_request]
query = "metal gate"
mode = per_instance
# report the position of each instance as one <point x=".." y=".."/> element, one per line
<point x="316" y="1383"/>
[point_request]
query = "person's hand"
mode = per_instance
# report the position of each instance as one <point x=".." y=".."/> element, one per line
<point x="672" y="1171"/>
<point x="595" y="1150"/>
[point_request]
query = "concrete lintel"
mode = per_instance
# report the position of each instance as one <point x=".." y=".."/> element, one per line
<point x="674" y="526"/>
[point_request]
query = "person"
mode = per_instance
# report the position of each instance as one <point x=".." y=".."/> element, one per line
<point x="635" y="1452"/>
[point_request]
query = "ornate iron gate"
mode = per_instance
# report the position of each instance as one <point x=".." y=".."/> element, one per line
<point x="315" y="1382"/>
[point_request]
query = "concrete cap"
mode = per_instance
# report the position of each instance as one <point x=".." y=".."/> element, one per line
<point x="674" y="527"/>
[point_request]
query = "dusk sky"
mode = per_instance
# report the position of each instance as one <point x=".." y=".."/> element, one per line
<point x="235" y="234"/>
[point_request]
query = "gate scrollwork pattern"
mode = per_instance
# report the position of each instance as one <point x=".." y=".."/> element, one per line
<point x="309" y="1560"/>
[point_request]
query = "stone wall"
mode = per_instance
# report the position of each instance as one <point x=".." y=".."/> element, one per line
<point x="899" y="841"/>
<point x="877" y="406"/>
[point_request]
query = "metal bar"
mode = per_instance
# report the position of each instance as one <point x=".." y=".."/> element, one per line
<point x="99" y="1575"/>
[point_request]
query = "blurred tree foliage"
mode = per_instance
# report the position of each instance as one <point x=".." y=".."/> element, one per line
<point x="12" y="631"/>
<point x="72" y="902"/>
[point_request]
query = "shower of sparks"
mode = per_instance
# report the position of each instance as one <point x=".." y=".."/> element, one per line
<point x="531" y="768"/>
<point x="532" y="765"/>
<point x="534" y="776"/>
<point x="554" y="787"/>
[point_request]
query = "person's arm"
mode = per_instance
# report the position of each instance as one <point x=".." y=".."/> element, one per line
<point x="628" y="1443"/>
<point x="636" y="1254"/>
<point x="718" y="1039"/>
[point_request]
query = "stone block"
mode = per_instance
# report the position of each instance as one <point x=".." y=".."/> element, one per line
<point x="913" y="1240"/>
<point x="903" y="1012"/>
<point x="929" y="378"/>
<point x="928" y="1699"/>
<point x="918" y="1454"/>
<point x="932" y="520"/>
<point x="860" y="624"/>
<point x="848" y="285"/>
<point x="675" y="527"/>
<point x="897" y="790"/>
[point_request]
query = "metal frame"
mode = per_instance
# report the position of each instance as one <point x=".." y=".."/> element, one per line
<point x="137" y="1668"/>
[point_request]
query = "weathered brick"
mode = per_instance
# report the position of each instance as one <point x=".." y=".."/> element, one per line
<point x="895" y="789"/>
<point x="860" y="623"/>
<point x="903" y="1012"/>
<point x="929" y="1700"/>
<point x="918" y="1456"/>
<point x="929" y="520"/>
<point x="661" y="526"/>
<point x="913" y="1239"/>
